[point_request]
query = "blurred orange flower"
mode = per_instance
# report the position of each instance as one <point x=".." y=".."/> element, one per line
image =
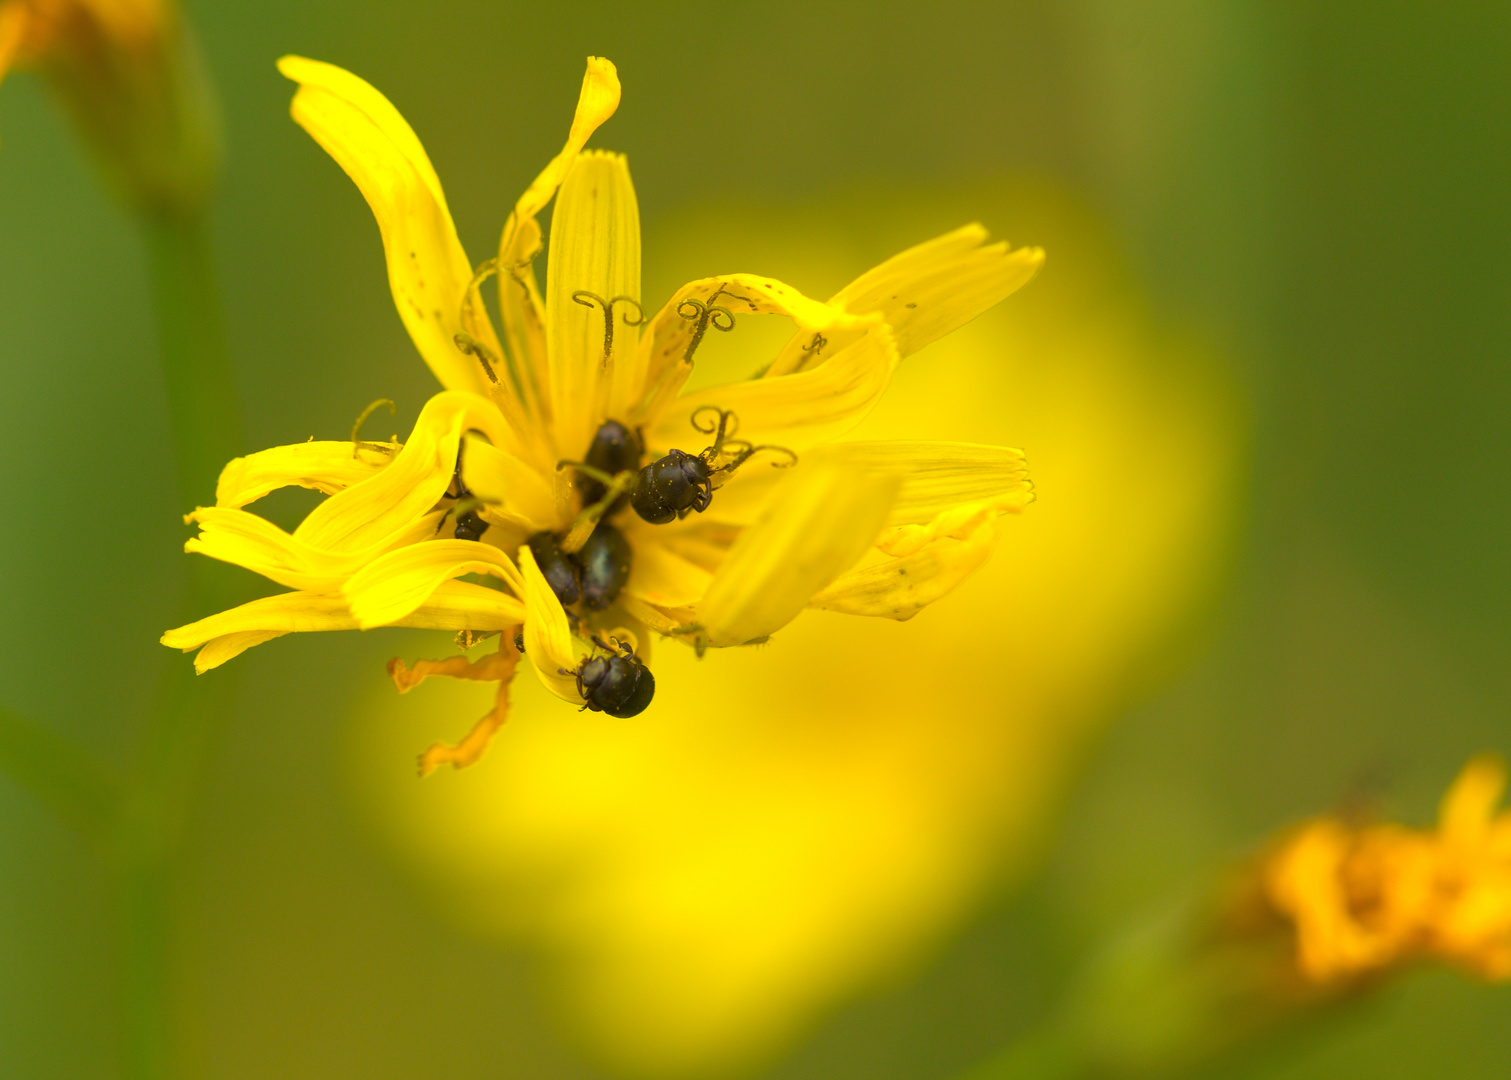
<point x="1366" y="899"/>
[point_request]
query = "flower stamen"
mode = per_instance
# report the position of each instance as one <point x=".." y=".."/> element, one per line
<point x="703" y="316"/>
<point x="362" y="418"/>
<point x="587" y="299"/>
<point x="472" y="347"/>
<point x="814" y="348"/>
<point x="616" y="484"/>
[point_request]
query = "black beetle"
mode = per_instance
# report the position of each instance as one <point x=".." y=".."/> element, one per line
<point x="618" y="684"/>
<point x="469" y="524"/>
<point x="603" y="566"/>
<point x="673" y="486"/>
<point x="615" y="449"/>
<point x="557" y="567"/>
<point x="595" y="574"/>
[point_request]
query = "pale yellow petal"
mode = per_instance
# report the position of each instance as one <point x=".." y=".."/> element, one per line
<point x="941" y="475"/>
<point x="594" y="260"/>
<point x="548" y="638"/>
<point x="454" y="605"/>
<point x="510" y="489"/>
<point x="520" y="305"/>
<point x="246" y="540"/>
<point x="411" y="485"/>
<point x="1465" y="814"/>
<point x="821" y="521"/>
<point x="899" y="588"/>
<point x="218" y="650"/>
<point x="795" y="411"/>
<point x="668" y="348"/>
<point x="923" y="293"/>
<point x="427" y="268"/>
<point x="596" y="102"/>
<point x="661" y="576"/>
<point x="397" y="583"/>
<point x="327" y="467"/>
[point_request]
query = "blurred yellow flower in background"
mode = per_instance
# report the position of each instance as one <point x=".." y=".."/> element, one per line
<point x="129" y="74"/>
<point x="794" y="823"/>
<point x="1363" y="900"/>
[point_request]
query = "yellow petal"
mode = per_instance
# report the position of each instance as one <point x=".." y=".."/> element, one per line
<point x="427" y="268"/>
<point x="218" y="650"/>
<point x="923" y="293"/>
<point x="1466" y="811"/>
<point x="819" y="523"/>
<point x="794" y="411"/>
<point x="940" y="475"/>
<point x="901" y="587"/>
<point x="594" y="260"/>
<point x="661" y="576"/>
<point x="520" y="307"/>
<point x="1304" y="880"/>
<point x="548" y="638"/>
<point x="367" y="513"/>
<point x="246" y="540"/>
<point x="596" y="102"/>
<point x="668" y="346"/>
<point x="396" y="583"/>
<point x="328" y="467"/>
<point x="511" y="489"/>
<point x="454" y="605"/>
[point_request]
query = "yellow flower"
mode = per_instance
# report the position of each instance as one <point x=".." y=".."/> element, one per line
<point x="871" y="528"/>
<point x="1367" y="899"/>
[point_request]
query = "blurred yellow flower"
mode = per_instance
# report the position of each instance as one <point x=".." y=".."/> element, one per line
<point x="794" y="824"/>
<point x="32" y="29"/>
<point x="539" y="439"/>
<point x="128" y="73"/>
<point x="1367" y="899"/>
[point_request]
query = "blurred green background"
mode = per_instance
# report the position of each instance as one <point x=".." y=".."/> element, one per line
<point x="1318" y="190"/>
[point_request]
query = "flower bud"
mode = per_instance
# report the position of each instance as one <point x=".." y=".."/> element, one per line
<point x="130" y="75"/>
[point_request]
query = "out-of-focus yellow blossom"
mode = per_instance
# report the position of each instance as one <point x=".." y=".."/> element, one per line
<point x="791" y="825"/>
<point x="130" y="77"/>
<point x="1367" y="899"/>
<point x="879" y="528"/>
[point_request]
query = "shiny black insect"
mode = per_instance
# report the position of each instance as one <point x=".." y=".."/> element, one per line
<point x="469" y="524"/>
<point x="594" y="575"/>
<point x="615" y="449"/>
<point x="603" y="566"/>
<point x="674" y="486"/>
<point x="618" y="684"/>
<point x="556" y="566"/>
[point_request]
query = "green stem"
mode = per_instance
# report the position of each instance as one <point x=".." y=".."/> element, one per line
<point x="180" y="734"/>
